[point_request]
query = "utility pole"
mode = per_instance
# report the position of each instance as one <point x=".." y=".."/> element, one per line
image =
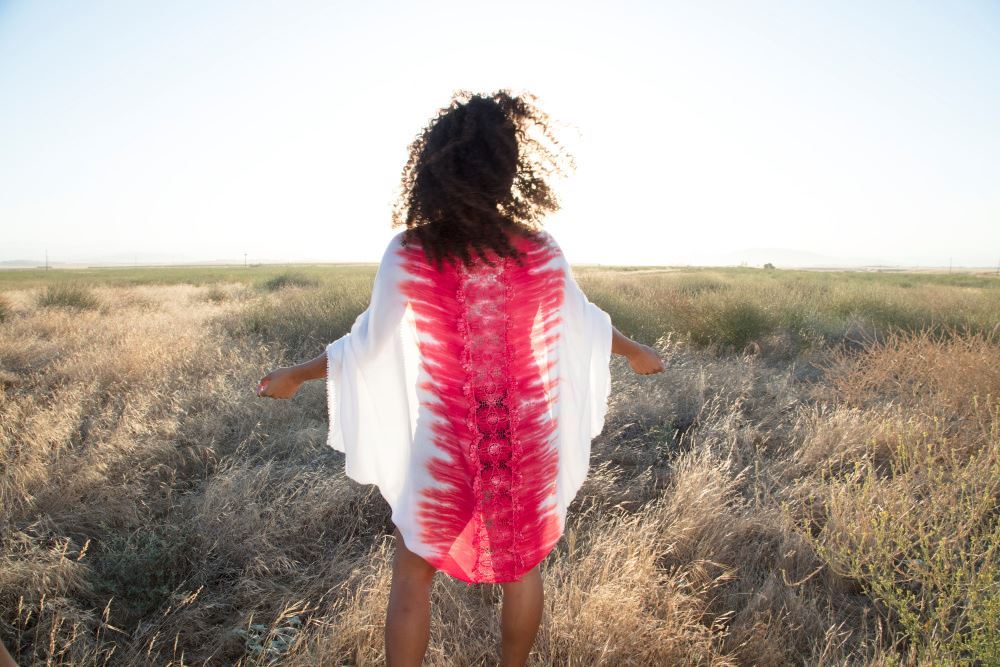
<point x="244" y="260"/>
<point x="46" y="259"/>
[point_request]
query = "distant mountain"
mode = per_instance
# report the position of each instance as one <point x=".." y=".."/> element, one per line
<point x="121" y="259"/>
<point x="20" y="263"/>
<point x="117" y="260"/>
<point x="133" y="259"/>
<point x="164" y="260"/>
<point x="791" y="258"/>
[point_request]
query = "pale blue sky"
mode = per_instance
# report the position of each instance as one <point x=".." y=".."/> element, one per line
<point x="203" y="130"/>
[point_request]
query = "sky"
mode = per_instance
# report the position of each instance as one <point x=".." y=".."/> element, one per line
<point x="704" y="132"/>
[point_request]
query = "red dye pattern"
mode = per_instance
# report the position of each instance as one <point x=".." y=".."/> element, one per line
<point x="487" y="523"/>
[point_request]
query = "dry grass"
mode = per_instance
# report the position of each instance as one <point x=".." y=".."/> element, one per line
<point x="835" y="505"/>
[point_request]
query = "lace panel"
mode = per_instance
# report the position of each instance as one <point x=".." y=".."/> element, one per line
<point x="493" y="451"/>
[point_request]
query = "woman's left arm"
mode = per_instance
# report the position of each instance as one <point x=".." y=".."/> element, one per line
<point x="314" y="369"/>
<point x="369" y="333"/>
<point x="285" y="382"/>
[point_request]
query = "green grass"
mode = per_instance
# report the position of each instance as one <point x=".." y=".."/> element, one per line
<point x="175" y="275"/>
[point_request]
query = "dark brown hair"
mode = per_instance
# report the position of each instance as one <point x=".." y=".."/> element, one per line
<point x="477" y="172"/>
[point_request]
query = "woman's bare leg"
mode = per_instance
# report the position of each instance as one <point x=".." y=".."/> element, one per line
<point x="520" y="617"/>
<point x="408" y="618"/>
<point x="5" y="658"/>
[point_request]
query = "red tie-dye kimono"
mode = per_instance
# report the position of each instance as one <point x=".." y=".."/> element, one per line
<point x="470" y="398"/>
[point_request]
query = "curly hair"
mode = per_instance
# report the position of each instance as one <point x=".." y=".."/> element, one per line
<point x="477" y="172"/>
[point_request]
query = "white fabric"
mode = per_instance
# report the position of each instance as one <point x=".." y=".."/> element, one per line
<point x="375" y="403"/>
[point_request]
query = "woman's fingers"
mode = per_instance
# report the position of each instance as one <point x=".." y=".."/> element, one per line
<point x="655" y="367"/>
<point x="649" y="363"/>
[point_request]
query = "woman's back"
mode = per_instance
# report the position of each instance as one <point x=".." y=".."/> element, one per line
<point x="469" y="395"/>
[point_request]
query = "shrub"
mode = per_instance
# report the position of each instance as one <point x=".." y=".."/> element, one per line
<point x="5" y="309"/>
<point x="215" y="294"/>
<point x="698" y="283"/>
<point x="914" y="514"/>
<point x="923" y="538"/>
<point x="732" y="322"/>
<point x="288" y="279"/>
<point x="67" y="295"/>
<point x="139" y="568"/>
<point x="301" y="323"/>
<point x="226" y="292"/>
<point x="740" y="323"/>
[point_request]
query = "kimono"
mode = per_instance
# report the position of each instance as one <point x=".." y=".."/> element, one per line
<point x="469" y="397"/>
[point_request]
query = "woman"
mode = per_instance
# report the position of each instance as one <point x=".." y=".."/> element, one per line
<point x="471" y="387"/>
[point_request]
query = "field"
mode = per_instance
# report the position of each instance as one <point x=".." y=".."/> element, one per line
<point x="815" y="479"/>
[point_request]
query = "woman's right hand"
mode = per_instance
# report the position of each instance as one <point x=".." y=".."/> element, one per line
<point x="645" y="361"/>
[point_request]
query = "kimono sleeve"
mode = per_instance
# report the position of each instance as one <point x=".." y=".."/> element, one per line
<point x="588" y="333"/>
<point x="584" y="360"/>
<point x="366" y="394"/>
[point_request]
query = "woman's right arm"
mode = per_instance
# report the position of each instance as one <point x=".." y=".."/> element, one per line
<point x="642" y="358"/>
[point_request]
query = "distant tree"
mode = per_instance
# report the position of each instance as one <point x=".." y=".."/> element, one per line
<point x="769" y="266"/>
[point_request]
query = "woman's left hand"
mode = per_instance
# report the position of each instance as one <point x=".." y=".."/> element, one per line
<point x="279" y="383"/>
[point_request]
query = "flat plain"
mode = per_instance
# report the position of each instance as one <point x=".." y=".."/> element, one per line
<point x="814" y="480"/>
